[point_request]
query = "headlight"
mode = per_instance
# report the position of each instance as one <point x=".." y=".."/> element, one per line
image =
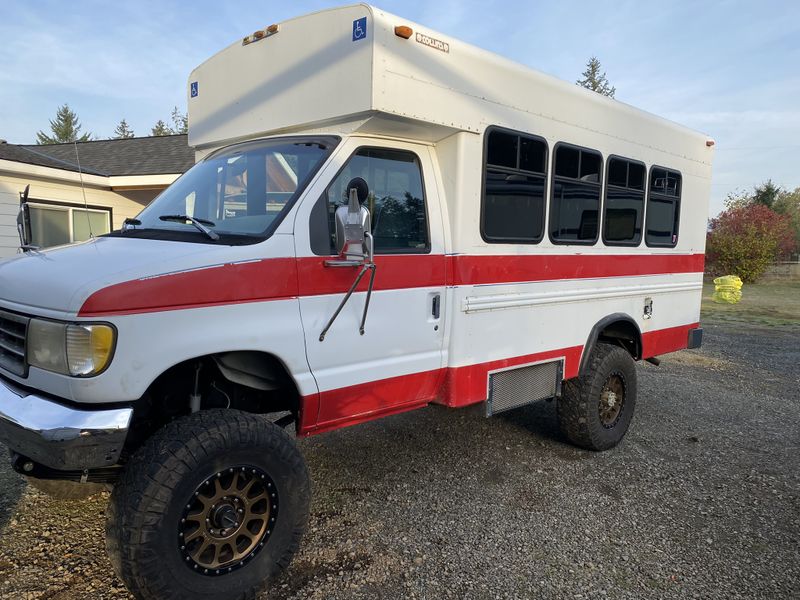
<point x="89" y="348"/>
<point x="47" y="347"/>
<point x="77" y="350"/>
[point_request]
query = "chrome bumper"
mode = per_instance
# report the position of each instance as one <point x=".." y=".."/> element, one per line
<point x="58" y="436"/>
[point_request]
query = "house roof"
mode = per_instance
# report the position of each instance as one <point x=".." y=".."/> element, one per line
<point x="21" y="154"/>
<point x="157" y="155"/>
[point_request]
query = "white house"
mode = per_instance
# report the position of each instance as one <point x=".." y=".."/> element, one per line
<point x="119" y="178"/>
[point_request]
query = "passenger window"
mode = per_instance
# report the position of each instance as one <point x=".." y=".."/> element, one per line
<point x="396" y="202"/>
<point x="575" y="200"/>
<point x="663" y="207"/>
<point x="624" y="207"/>
<point x="514" y="187"/>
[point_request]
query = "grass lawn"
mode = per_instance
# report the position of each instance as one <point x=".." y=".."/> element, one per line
<point x="774" y="303"/>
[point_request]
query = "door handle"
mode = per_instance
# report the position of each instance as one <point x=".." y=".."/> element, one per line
<point x="436" y="306"/>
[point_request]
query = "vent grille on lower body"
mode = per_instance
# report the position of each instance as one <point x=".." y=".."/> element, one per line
<point x="520" y="386"/>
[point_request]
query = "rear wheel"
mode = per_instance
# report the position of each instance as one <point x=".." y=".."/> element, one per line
<point x="212" y="506"/>
<point x="595" y="409"/>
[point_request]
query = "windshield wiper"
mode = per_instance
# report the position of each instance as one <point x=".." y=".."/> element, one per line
<point x="199" y="223"/>
<point x="130" y="224"/>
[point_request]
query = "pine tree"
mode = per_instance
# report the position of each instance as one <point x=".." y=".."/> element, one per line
<point x="595" y="80"/>
<point x="65" y="128"/>
<point x="160" y="128"/>
<point x="766" y="193"/>
<point x="180" y="121"/>
<point x="122" y="131"/>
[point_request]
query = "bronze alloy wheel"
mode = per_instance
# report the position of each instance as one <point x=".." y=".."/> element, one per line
<point x="612" y="399"/>
<point x="228" y="520"/>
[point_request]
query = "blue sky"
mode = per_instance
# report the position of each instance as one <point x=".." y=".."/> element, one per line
<point x="730" y="69"/>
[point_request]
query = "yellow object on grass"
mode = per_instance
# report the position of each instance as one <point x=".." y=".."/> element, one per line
<point x="727" y="289"/>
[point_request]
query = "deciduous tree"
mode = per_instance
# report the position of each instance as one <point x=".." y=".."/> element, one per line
<point x="744" y="240"/>
<point x="788" y="203"/>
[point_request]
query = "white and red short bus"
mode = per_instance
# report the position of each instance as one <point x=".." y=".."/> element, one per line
<point x="381" y="218"/>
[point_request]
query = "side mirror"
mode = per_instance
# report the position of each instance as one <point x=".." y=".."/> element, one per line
<point x="355" y="245"/>
<point x="353" y="224"/>
<point x="24" y="221"/>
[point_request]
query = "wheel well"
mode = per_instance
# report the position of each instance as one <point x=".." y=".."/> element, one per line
<point x="618" y="329"/>
<point x="251" y="381"/>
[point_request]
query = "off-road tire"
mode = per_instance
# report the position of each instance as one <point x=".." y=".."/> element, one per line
<point x="66" y="490"/>
<point x="144" y="513"/>
<point x="578" y="413"/>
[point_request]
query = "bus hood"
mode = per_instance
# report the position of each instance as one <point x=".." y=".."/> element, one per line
<point x="61" y="279"/>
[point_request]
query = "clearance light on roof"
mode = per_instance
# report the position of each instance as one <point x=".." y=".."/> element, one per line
<point x="709" y="143"/>
<point x="260" y="34"/>
<point x="403" y="31"/>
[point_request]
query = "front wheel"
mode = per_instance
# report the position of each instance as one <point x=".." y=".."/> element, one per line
<point x="595" y="409"/>
<point x="212" y="506"/>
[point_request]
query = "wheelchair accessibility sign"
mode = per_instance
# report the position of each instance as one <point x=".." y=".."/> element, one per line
<point x="359" y="29"/>
<point x="193" y="91"/>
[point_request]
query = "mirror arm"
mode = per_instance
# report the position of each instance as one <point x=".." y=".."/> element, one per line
<point x="366" y="267"/>
<point x="372" y="267"/>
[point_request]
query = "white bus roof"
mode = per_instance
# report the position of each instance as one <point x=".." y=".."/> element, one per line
<point x="346" y="70"/>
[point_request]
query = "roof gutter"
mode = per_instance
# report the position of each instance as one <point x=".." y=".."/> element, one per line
<point x="115" y="183"/>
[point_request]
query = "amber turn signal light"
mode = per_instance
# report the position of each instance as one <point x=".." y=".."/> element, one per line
<point x="403" y="31"/>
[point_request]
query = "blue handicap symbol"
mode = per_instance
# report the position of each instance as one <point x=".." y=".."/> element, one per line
<point x="194" y="89"/>
<point x="360" y="29"/>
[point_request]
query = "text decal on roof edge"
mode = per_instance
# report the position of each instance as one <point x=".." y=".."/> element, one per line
<point x="433" y="42"/>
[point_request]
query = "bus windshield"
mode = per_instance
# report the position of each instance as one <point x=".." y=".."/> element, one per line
<point x="244" y="190"/>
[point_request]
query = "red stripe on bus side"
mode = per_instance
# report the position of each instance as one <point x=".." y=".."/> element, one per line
<point x="282" y="278"/>
<point x="453" y="386"/>
<point x="367" y="401"/>
<point x="663" y="341"/>
<point x="469" y="384"/>
<point x="392" y="273"/>
<point x="272" y="279"/>
<point x="477" y="270"/>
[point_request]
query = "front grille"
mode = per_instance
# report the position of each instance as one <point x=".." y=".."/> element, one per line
<point x="13" y="331"/>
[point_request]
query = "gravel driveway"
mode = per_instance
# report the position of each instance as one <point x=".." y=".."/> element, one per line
<point x="701" y="500"/>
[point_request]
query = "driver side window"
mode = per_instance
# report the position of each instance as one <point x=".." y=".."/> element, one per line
<point x="396" y="202"/>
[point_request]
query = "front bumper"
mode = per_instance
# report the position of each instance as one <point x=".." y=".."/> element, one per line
<point x="58" y="436"/>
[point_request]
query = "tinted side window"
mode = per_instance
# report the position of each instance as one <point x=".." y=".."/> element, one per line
<point x="514" y="187"/>
<point x="575" y="201"/>
<point x="396" y="202"/>
<point x="663" y="207"/>
<point x="624" y="207"/>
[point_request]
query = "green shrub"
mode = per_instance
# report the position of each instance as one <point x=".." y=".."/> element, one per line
<point x="745" y="239"/>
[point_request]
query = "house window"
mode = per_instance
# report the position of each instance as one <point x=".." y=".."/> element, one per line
<point x="663" y="208"/>
<point x="513" y="188"/>
<point x="622" y="221"/>
<point x="57" y="224"/>
<point x="575" y="199"/>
